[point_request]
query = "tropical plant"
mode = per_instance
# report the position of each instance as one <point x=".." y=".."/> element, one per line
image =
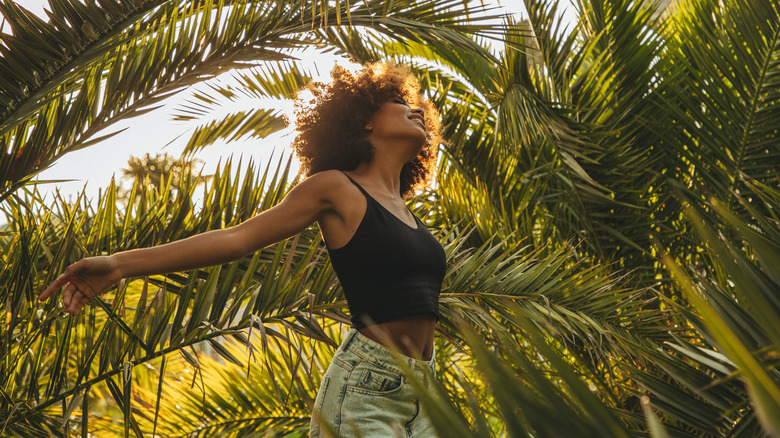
<point x="157" y="172"/>
<point x="580" y="139"/>
<point x="93" y="65"/>
<point x="105" y="345"/>
<point x="576" y="156"/>
<point x="730" y="360"/>
<point x="119" y="350"/>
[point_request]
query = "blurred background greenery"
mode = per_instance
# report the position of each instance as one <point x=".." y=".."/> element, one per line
<point x="608" y="201"/>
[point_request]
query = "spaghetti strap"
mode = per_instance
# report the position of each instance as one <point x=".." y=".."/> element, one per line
<point x="358" y="186"/>
<point x="382" y="210"/>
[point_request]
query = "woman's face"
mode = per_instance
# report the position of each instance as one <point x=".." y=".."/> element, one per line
<point x="397" y="120"/>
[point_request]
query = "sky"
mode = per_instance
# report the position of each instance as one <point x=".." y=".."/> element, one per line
<point x="92" y="168"/>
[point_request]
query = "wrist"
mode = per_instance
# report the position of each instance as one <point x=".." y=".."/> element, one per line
<point x="116" y="266"/>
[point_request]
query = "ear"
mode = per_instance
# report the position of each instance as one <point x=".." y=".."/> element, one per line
<point x="368" y="127"/>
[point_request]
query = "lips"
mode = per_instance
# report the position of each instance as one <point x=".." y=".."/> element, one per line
<point x="418" y="117"/>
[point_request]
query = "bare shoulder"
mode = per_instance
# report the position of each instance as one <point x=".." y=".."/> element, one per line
<point x="320" y="197"/>
<point x="328" y="184"/>
<point x="327" y="178"/>
<point x="329" y="190"/>
<point x="342" y="200"/>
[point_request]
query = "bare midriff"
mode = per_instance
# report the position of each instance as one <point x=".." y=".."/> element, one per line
<point x="412" y="336"/>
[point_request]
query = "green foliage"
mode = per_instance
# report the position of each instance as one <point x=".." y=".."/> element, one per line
<point x="607" y="201"/>
<point x="739" y="309"/>
<point x="93" y="351"/>
<point x="579" y="139"/>
<point x="159" y="172"/>
<point x="542" y="388"/>
<point x="102" y="63"/>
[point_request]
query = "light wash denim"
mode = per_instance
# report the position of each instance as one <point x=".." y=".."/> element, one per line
<point x="365" y="394"/>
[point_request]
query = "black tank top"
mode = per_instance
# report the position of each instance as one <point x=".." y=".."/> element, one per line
<point x="389" y="270"/>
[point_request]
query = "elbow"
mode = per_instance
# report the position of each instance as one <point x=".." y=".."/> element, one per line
<point x="236" y="245"/>
<point x="241" y="241"/>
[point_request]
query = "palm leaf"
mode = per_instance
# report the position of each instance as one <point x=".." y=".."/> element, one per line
<point x="148" y="61"/>
<point x="740" y="313"/>
<point x="203" y="306"/>
<point x="260" y="87"/>
<point x="723" y="93"/>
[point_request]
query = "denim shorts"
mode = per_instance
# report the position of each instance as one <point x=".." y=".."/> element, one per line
<point x="364" y="393"/>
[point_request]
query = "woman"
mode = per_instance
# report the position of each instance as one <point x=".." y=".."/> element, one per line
<point x="364" y="146"/>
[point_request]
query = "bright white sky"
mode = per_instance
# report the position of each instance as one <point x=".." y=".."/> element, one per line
<point x="94" y="167"/>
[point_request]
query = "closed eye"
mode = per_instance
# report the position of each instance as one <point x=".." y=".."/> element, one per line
<point x="400" y="100"/>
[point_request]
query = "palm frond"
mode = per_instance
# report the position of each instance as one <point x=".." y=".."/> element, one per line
<point x="723" y="94"/>
<point x="175" y="47"/>
<point x="738" y="310"/>
<point x="42" y="55"/>
<point x="260" y="91"/>
<point x="285" y="286"/>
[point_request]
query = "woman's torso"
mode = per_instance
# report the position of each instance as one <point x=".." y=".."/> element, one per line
<point x="412" y="335"/>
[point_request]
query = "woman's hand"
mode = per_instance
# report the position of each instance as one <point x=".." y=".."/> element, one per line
<point x="83" y="281"/>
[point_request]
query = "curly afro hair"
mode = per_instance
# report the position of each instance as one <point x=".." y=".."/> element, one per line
<point x="330" y="120"/>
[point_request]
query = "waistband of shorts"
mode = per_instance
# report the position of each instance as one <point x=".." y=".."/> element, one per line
<point x="372" y="351"/>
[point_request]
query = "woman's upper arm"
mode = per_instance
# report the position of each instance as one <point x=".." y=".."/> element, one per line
<point x="302" y="206"/>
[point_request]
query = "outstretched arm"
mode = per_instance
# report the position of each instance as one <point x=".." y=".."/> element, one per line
<point x="301" y="207"/>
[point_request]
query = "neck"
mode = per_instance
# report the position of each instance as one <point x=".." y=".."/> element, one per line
<point x="384" y="169"/>
<point x="382" y="174"/>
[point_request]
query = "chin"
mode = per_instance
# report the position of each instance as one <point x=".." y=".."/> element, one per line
<point x="422" y="139"/>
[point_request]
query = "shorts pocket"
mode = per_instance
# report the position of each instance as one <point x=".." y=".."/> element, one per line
<point x="376" y="381"/>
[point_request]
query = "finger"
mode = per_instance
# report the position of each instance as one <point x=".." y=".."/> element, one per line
<point x="63" y="279"/>
<point x="77" y="303"/>
<point x="53" y="287"/>
<point x="74" y="302"/>
<point x="67" y="294"/>
<point x="80" y="303"/>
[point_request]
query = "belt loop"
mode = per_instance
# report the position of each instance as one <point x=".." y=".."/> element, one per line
<point x="348" y="339"/>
